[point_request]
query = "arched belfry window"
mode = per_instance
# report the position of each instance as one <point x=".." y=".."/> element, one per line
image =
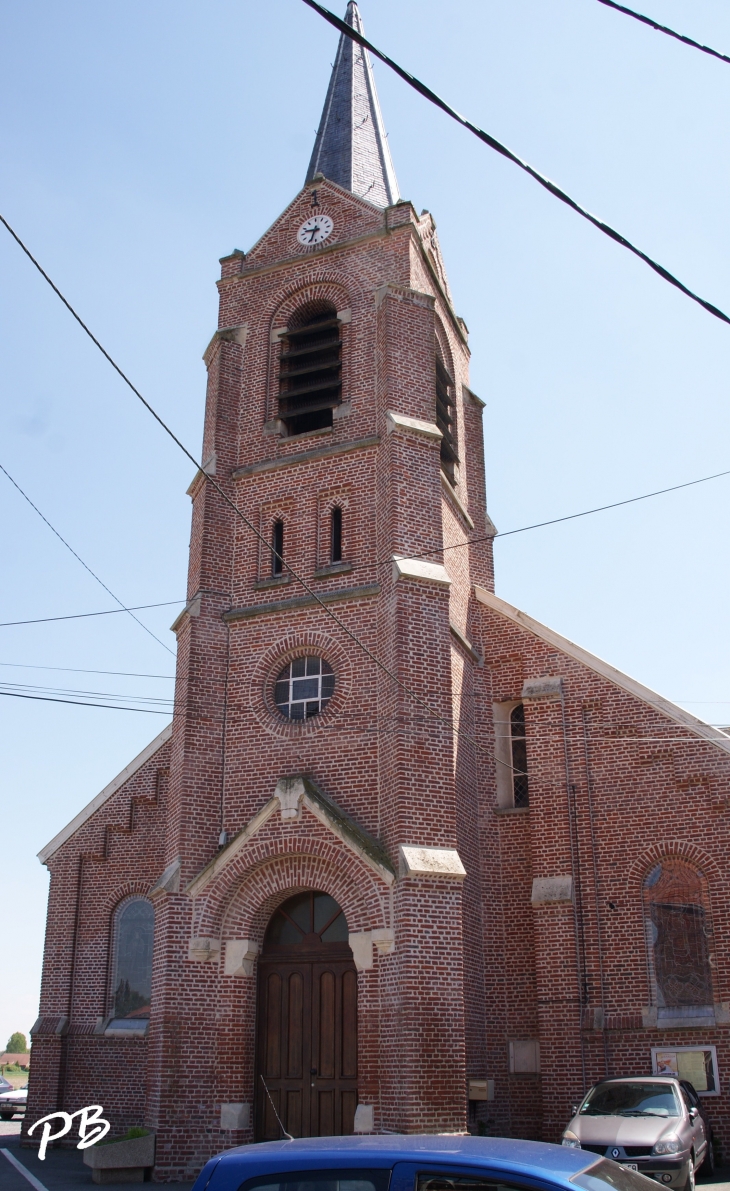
<point x="445" y="419"/>
<point x="310" y="369"/>
<point x="679" y="937"/>
<point x="132" y="961"/>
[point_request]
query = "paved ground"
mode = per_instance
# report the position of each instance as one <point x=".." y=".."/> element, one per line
<point x="61" y="1170"/>
<point x="64" y="1170"/>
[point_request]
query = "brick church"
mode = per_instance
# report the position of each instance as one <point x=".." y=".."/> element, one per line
<point x="406" y="860"/>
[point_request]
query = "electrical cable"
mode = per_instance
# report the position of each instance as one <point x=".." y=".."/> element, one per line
<point x="79" y="559"/>
<point x="76" y="670"/>
<point x="557" y="520"/>
<point x="54" y="690"/>
<point x="629" y="12"/>
<point x="234" y="507"/>
<point x="6" y="624"/>
<point x="80" y="703"/>
<point x="523" y="165"/>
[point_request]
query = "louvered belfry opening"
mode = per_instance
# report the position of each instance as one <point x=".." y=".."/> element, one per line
<point x="445" y="418"/>
<point x="310" y="369"/>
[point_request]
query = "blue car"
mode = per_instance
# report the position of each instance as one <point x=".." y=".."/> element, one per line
<point x="414" y="1163"/>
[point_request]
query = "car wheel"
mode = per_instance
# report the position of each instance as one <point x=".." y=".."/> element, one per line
<point x="6" y="1116"/>
<point x="690" y="1181"/>
<point x="708" y="1166"/>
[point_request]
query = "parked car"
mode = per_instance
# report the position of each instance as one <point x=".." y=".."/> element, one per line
<point x="5" y="1084"/>
<point x="412" y="1163"/>
<point x="654" y="1124"/>
<point x="12" y="1102"/>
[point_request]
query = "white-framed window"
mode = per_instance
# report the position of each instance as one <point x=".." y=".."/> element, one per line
<point x="510" y="751"/>
<point x="304" y="688"/>
<point x="696" y="1064"/>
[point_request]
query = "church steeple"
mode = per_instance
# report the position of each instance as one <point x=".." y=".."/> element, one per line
<point x="351" y="148"/>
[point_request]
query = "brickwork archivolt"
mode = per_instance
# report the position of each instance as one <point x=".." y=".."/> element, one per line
<point x="279" y="861"/>
<point x="677" y="849"/>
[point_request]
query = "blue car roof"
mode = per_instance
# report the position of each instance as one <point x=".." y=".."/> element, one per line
<point x="530" y="1159"/>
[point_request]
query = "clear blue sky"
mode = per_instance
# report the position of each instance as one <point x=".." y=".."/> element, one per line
<point x="143" y="141"/>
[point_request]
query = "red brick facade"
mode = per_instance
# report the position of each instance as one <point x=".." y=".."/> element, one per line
<point x="544" y="937"/>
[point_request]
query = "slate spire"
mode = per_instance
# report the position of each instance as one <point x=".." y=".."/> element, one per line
<point x="351" y="148"/>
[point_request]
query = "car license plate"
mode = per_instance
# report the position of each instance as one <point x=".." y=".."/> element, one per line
<point x="630" y="1165"/>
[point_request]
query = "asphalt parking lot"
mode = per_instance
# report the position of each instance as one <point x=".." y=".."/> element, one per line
<point x="63" y="1170"/>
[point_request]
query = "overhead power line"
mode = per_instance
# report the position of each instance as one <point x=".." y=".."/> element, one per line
<point x="523" y="165"/>
<point x="76" y="670"/>
<point x="697" y="45"/>
<point x="82" y="703"/>
<point x="448" y="722"/>
<point x="78" y="558"/>
<point x="5" y="624"/>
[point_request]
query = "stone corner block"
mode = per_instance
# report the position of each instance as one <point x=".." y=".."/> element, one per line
<point x="384" y="940"/>
<point x="289" y="791"/>
<point x="424" y="572"/>
<point x="649" y="1017"/>
<point x="550" y="689"/>
<point x="429" y="862"/>
<point x="202" y="950"/>
<point x="402" y="423"/>
<point x="240" y="956"/>
<point x="549" y="890"/>
<point x="235" y="1116"/>
<point x="364" y="1118"/>
<point x="361" y="945"/>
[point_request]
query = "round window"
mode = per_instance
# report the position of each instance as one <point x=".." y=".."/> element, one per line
<point x="304" y="688"/>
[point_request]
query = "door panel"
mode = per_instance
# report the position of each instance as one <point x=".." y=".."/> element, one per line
<point x="306" y="1047"/>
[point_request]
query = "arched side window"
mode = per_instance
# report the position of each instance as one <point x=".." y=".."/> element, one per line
<point x="277" y="548"/>
<point x="310" y="369"/>
<point x="519" y="756"/>
<point x="132" y="966"/>
<point x="678" y="935"/>
<point x="510" y="748"/>
<point x="445" y="418"/>
<point x="336" y="534"/>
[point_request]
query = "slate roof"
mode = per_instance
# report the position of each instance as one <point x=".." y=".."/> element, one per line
<point x="351" y="148"/>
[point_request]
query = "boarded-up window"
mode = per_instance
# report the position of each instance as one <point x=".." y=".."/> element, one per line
<point x="678" y="935"/>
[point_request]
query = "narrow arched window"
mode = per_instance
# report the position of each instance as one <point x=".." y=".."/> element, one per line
<point x="277" y="548"/>
<point x="336" y="535"/>
<point x="132" y="967"/>
<point x="678" y="934"/>
<point x="519" y="756"/>
<point x="310" y="369"/>
<point x="445" y="419"/>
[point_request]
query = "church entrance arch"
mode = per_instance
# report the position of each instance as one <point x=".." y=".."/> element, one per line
<point x="306" y="1044"/>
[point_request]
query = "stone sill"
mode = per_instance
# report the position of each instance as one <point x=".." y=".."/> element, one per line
<point x="275" y="581"/>
<point x="336" y="568"/>
<point x="511" y="810"/>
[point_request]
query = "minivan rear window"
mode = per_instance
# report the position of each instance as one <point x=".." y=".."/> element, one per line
<point x="321" y="1180"/>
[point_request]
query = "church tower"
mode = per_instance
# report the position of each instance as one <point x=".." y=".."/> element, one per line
<point x="322" y="750"/>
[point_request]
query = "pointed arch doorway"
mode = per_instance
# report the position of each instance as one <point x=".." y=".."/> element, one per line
<point x="306" y="1037"/>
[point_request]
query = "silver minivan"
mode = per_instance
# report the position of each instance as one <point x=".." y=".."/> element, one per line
<point x="654" y="1124"/>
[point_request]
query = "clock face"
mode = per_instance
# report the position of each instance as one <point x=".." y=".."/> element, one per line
<point x="315" y="230"/>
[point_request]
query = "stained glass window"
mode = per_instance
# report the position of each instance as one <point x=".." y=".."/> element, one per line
<point x="134" y="928"/>
<point x="678" y="933"/>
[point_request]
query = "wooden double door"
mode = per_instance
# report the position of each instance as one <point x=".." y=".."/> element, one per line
<point x="307" y="1043"/>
